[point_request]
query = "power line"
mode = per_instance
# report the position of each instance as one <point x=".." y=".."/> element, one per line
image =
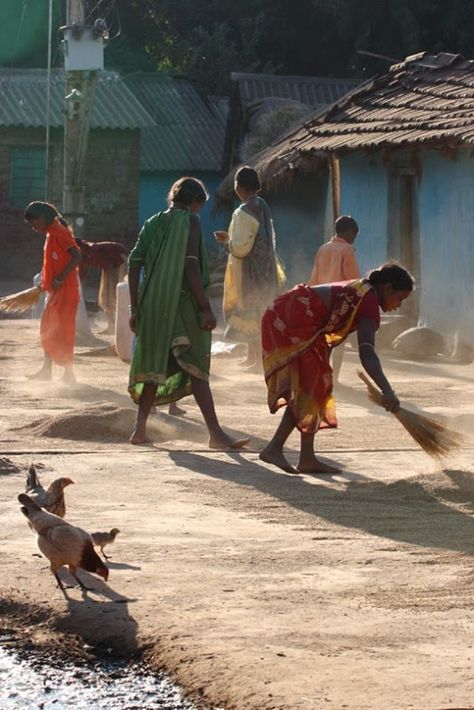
<point x="20" y="27"/>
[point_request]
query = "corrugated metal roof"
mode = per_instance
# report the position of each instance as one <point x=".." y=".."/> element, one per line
<point x="23" y="100"/>
<point x="188" y="133"/>
<point x="425" y="100"/>
<point x="312" y="91"/>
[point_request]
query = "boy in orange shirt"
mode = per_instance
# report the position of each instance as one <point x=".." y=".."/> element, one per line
<point x="336" y="261"/>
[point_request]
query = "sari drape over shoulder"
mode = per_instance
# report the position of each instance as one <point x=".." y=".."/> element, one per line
<point x="170" y="345"/>
<point x="298" y="333"/>
<point x="254" y="275"/>
<point x="58" y="322"/>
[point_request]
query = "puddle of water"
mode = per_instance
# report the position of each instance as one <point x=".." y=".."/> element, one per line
<point x="114" y="685"/>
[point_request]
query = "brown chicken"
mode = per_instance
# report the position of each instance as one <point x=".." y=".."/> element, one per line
<point x="101" y="539"/>
<point x="62" y="543"/>
<point x="51" y="498"/>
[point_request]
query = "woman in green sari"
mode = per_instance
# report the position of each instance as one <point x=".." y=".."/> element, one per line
<point x="171" y="314"/>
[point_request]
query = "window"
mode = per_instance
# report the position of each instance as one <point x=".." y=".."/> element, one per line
<point x="28" y="179"/>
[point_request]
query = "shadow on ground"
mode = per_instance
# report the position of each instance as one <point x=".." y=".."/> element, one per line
<point x="415" y="511"/>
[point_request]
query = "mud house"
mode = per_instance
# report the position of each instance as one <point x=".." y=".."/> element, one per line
<point x="400" y="155"/>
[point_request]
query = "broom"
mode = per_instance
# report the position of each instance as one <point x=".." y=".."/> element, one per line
<point x="433" y="437"/>
<point x="20" y="302"/>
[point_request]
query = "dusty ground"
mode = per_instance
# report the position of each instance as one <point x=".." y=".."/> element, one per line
<point x="255" y="588"/>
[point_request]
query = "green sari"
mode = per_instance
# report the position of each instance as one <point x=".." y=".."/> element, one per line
<point x="170" y="344"/>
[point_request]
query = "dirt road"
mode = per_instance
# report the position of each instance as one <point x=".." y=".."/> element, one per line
<point x="255" y="588"/>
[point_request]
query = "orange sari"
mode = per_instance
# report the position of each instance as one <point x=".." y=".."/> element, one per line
<point x="58" y="323"/>
<point x="298" y="333"/>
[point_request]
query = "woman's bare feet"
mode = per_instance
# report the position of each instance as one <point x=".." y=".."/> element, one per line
<point x="139" y="438"/>
<point x="274" y="455"/>
<point x="314" y="465"/>
<point x="254" y="366"/>
<point x="43" y="375"/>
<point x="176" y="411"/>
<point x="69" y="378"/>
<point x="221" y="440"/>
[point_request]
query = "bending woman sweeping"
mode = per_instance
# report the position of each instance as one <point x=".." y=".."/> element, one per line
<point x="171" y="314"/>
<point x="298" y="332"/>
<point x="59" y="279"/>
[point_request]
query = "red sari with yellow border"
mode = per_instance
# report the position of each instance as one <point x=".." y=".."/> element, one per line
<point x="298" y="333"/>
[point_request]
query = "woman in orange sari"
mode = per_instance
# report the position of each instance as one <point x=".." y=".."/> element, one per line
<point x="299" y="331"/>
<point x="60" y="280"/>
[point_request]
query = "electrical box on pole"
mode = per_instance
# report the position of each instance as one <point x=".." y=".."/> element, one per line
<point x="83" y="49"/>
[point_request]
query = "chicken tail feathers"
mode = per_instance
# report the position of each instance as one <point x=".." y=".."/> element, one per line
<point x="91" y="562"/>
<point x="29" y="504"/>
<point x="32" y="480"/>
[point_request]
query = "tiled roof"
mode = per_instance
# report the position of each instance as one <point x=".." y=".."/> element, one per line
<point x="425" y="100"/>
<point x="23" y="100"/>
<point x="188" y="133"/>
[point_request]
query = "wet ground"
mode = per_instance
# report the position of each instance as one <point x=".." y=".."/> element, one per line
<point x="29" y="682"/>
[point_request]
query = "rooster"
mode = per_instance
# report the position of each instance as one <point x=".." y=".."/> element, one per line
<point x="62" y="543"/>
<point x="101" y="539"/>
<point x="51" y="499"/>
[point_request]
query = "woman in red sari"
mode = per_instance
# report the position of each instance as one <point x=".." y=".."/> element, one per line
<point x="60" y="280"/>
<point x="299" y="331"/>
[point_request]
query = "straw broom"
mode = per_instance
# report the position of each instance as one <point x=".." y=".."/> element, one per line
<point x="433" y="437"/>
<point x="20" y="302"/>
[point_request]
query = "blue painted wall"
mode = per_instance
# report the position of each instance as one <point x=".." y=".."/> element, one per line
<point x="298" y="212"/>
<point x="447" y="244"/>
<point x="154" y="188"/>
<point x="364" y="195"/>
<point x="444" y="221"/>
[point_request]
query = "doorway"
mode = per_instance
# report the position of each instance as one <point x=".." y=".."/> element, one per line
<point x="403" y="231"/>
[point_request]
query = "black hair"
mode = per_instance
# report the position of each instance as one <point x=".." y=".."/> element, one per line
<point x="43" y="210"/>
<point x="188" y="190"/>
<point x="345" y="224"/>
<point x="392" y="273"/>
<point x="248" y="178"/>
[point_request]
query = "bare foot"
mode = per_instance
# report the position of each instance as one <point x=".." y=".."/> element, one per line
<point x="110" y="330"/>
<point x="275" y="457"/>
<point x="253" y="367"/>
<point x="68" y="378"/>
<point x="316" y="466"/>
<point x="176" y="411"/>
<point x="139" y="438"/>
<point x="221" y="440"/>
<point x="42" y="375"/>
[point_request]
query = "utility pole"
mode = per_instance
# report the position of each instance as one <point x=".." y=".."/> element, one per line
<point x="83" y="57"/>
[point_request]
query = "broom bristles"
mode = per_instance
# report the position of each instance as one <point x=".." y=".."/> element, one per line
<point x="433" y="437"/>
<point x="20" y="302"/>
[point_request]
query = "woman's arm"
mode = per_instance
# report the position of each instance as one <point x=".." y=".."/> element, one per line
<point x="193" y="274"/>
<point x="371" y="363"/>
<point x="242" y="233"/>
<point x="76" y="259"/>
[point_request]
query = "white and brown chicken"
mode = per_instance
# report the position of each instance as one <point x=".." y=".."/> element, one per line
<point x="50" y="498"/>
<point x="62" y="543"/>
